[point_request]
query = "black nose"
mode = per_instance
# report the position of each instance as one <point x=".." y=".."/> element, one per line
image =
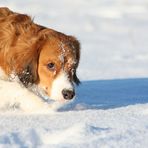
<point x="68" y="94"/>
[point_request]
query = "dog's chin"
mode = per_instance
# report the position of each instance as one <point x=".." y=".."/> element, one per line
<point x="62" y="100"/>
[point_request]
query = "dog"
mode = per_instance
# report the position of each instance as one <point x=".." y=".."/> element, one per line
<point x="38" y="55"/>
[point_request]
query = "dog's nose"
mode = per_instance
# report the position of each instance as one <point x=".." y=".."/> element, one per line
<point x="68" y="94"/>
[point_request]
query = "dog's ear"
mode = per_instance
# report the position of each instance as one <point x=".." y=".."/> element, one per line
<point x="76" y="79"/>
<point x="24" y="59"/>
<point x="75" y="45"/>
<point x="29" y="73"/>
<point x="23" y="41"/>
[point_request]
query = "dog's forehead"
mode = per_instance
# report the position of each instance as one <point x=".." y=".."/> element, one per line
<point x="59" y="51"/>
<point x="66" y="52"/>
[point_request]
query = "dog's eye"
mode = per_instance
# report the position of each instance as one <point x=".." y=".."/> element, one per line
<point x="51" y="66"/>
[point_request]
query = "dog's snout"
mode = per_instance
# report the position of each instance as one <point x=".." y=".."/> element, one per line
<point x="68" y="94"/>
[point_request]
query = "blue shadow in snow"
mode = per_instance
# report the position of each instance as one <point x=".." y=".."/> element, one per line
<point x="106" y="94"/>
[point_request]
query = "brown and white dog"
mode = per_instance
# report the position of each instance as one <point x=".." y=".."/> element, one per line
<point x="38" y="55"/>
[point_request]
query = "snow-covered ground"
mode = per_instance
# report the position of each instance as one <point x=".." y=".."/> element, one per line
<point x="106" y="113"/>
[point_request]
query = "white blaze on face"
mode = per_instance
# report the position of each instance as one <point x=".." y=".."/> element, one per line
<point x="61" y="82"/>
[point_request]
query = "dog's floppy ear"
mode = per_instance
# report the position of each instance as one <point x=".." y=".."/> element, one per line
<point x="75" y="45"/>
<point x="24" y="59"/>
<point x="23" y="40"/>
<point x="29" y="74"/>
<point x="76" y="79"/>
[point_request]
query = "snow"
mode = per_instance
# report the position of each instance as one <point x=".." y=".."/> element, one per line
<point x="111" y="108"/>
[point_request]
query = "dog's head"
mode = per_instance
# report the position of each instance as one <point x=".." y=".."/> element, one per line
<point x="52" y="64"/>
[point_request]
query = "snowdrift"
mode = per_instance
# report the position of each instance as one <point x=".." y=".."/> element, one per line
<point x="111" y="113"/>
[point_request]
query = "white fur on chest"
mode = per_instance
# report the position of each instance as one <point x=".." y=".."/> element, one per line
<point x="12" y="94"/>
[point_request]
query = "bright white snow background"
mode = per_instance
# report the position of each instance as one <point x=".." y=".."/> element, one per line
<point x="111" y="109"/>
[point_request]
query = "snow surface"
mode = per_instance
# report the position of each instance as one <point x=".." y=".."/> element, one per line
<point x="106" y="113"/>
